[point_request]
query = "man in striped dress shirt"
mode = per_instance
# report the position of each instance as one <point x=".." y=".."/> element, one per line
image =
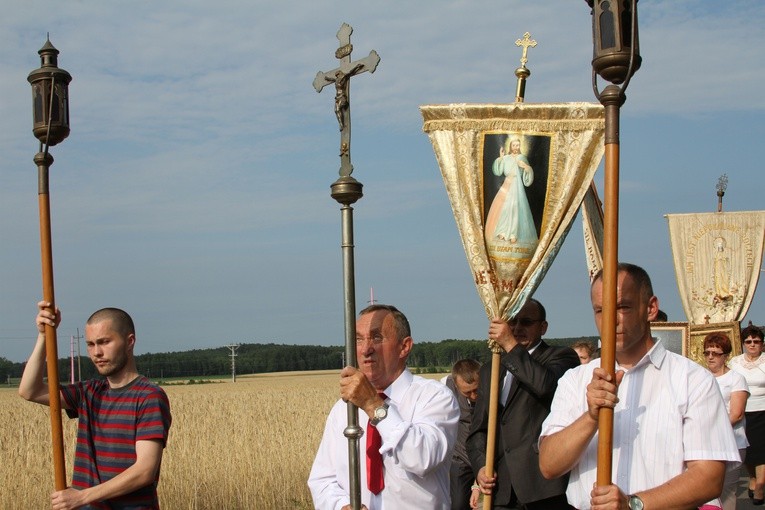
<point x="672" y="437"/>
<point x="124" y="418"/>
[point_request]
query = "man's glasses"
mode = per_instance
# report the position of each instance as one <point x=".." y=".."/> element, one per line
<point x="524" y="322"/>
<point x="713" y="353"/>
<point x="750" y="341"/>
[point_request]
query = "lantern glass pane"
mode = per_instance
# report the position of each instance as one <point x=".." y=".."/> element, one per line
<point x="607" y="28"/>
<point x="38" y="102"/>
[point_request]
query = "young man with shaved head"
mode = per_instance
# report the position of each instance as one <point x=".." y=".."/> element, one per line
<point x="124" y="418"/>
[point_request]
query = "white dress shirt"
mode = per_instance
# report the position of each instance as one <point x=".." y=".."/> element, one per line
<point x="670" y="411"/>
<point x="418" y="437"/>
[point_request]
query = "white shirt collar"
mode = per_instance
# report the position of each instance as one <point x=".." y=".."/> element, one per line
<point x="655" y="356"/>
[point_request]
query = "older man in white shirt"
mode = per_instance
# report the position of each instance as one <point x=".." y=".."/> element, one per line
<point x="416" y="419"/>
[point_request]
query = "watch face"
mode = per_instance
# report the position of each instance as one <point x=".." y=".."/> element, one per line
<point x="635" y="503"/>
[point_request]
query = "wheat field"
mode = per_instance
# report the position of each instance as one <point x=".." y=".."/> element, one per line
<point x="243" y="445"/>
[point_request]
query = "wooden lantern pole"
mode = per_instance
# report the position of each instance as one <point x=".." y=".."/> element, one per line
<point x="43" y="161"/>
<point x="50" y="101"/>
<point x="616" y="57"/>
<point x="611" y="98"/>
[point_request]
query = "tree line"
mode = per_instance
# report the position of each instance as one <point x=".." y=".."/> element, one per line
<point x="265" y="358"/>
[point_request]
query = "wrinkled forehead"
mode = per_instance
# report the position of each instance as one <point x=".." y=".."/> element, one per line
<point x="376" y="321"/>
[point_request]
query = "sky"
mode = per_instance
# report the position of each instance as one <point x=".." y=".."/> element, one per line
<point x="193" y="190"/>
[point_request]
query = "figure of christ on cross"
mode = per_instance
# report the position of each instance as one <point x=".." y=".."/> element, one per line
<point x="341" y="76"/>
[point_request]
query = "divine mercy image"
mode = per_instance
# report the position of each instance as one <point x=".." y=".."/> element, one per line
<point x="515" y="180"/>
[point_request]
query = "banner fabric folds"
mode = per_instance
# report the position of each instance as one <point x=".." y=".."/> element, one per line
<point x="515" y="175"/>
<point x="592" y="228"/>
<point x="717" y="259"/>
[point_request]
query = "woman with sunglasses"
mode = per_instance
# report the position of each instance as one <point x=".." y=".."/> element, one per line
<point x="735" y="392"/>
<point x="751" y="364"/>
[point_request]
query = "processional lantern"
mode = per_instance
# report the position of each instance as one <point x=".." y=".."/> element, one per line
<point x="50" y="98"/>
<point x="616" y="57"/>
<point x="616" y="51"/>
<point x="50" y="109"/>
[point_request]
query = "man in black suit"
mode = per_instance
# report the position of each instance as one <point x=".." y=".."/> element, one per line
<point x="529" y="375"/>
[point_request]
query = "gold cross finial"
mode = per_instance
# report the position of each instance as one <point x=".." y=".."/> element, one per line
<point x="522" y="72"/>
<point x="527" y="42"/>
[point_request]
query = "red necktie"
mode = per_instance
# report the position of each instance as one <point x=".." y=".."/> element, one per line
<point x="375" y="480"/>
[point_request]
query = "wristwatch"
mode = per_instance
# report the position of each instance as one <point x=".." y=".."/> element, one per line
<point x="635" y="503"/>
<point x="380" y="414"/>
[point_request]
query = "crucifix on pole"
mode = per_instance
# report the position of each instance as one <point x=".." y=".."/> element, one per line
<point x="346" y="191"/>
<point x="341" y="77"/>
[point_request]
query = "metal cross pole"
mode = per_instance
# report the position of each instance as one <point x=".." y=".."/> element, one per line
<point x="346" y="190"/>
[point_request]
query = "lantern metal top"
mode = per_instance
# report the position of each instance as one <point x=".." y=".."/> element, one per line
<point x="50" y="97"/>
<point x="48" y="54"/>
<point x="616" y="50"/>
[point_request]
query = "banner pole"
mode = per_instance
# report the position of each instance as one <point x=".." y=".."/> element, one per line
<point x="491" y="432"/>
<point x="522" y="73"/>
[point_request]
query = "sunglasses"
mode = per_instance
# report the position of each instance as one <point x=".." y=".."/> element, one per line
<point x="713" y="353"/>
<point x="752" y="341"/>
<point x="525" y="322"/>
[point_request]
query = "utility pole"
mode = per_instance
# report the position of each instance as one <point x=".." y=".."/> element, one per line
<point x="233" y="348"/>
<point x="79" y="359"/>
<point x="71" y="360"/>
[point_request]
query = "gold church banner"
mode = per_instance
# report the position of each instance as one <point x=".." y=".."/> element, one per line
<point x="717" y="259"/>
<point x="592" y="228"/>
<point x="515" y="175"/>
